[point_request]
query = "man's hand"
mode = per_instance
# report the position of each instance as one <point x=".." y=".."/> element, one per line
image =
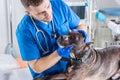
<point x="101" y="17"/>
<point x="65" y="51"/>
<point x="86" y="40"/>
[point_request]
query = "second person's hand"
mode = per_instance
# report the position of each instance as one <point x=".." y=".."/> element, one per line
<point x="101" y="17"/>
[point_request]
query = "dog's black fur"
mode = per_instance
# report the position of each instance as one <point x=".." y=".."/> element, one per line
<point x="99" y="65"/>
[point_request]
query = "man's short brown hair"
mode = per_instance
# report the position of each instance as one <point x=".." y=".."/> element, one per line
<point x="27" y="3"/>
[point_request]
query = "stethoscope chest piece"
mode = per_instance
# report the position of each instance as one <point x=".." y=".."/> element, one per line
<point x="54" y="35"/>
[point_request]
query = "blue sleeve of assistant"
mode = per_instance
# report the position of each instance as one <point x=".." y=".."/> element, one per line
<point x="27" y="45"/>
<point x="73" y="18"/>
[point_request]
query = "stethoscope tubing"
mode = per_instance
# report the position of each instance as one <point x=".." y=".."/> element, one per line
<point x="37" y="31"/>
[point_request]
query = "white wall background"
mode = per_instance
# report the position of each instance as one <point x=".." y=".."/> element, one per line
<point x="107" y="4"/>
<point x="3" y="26"/>
<point x="17" y="13"/>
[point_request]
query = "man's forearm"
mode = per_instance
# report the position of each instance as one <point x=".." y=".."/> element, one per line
<point x="44" y="63"/>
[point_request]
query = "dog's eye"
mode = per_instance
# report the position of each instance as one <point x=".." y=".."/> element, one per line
<point x="76" y="38"/>
<point x="71" y="37"/>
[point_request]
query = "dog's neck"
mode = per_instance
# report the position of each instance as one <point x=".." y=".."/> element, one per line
<point x="83" y="47"/>
<point x="81" y="50"/>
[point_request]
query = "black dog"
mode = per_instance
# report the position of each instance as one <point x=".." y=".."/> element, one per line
<point x="94" y="64"/>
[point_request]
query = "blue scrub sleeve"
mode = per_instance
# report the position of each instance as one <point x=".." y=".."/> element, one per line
<point x="27" y="45"/>
<point x="73" y="18"/>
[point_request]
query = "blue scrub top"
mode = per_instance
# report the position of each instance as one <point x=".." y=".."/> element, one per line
<point x="64" y="20"/>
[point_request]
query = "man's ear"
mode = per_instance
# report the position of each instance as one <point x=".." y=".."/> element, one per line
<point x="27" y="12"/>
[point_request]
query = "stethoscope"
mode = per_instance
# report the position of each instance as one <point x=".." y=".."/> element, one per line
<point x="40" y="31"/>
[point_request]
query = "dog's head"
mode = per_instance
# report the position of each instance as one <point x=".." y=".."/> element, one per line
<point x="72" y="38"/>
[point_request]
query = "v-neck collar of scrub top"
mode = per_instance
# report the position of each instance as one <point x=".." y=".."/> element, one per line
<point x="43" y="25"/>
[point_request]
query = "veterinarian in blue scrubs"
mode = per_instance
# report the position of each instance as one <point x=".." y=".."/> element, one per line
<point x="38" y="31"/>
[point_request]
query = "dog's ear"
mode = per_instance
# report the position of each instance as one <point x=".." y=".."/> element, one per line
<point x="81" y="37"/>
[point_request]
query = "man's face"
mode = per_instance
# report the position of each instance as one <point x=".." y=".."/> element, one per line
<point x="43" y="12"/>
